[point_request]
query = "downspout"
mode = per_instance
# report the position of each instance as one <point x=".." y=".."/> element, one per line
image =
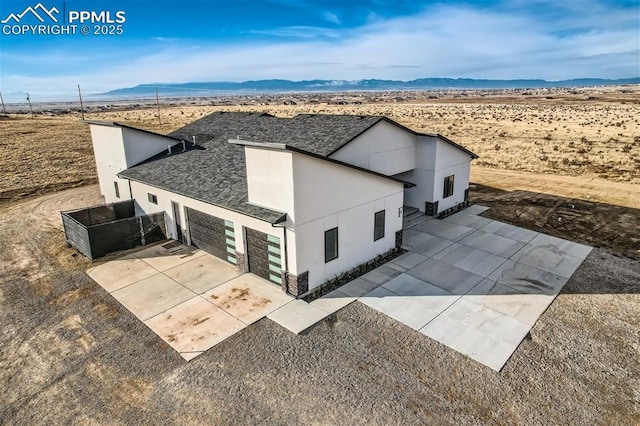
<point x="286" y="258"/>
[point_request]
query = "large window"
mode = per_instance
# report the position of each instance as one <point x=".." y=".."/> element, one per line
<point x="117" y="189"/>
<point x="378" y="226"/>
<point x="448" y="187"/>
<point x="330" y="245"/>
<point x="153" y="199"/>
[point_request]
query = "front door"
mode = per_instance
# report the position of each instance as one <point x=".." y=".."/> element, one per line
<point x="176" y="217"/>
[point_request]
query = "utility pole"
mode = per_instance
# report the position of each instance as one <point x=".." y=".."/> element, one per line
<point x="4" y="110"/>
<point x="158" y="104"/>
<point x="81" y="106"/>
<point x="30" y="108"/>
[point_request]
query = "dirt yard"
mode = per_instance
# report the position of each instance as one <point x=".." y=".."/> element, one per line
<point x="563" y="163"/>
<point x="69" y="353"/>
<point x="591" y="133"/>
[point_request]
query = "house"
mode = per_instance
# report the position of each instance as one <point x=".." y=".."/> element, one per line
<point x="297" y="201"/>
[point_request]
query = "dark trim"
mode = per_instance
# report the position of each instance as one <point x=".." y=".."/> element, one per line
<point x="201" y="200"/>
<point x="375" y="217"/>
<point x="284" y="147"/>
<point x="337" y="244"/>
<point x="124" y="126"/>
<point x="390" y="121"/>
<point x="153" y="198"/>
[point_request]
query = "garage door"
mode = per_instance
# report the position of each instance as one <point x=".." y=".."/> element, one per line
<point x="263" y="255"/>
<point x="212" y="234"/>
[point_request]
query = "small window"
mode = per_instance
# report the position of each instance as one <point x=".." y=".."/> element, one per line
<point x="330" y="245"/>
<point x="153" y="199"/>
<point x="378" y="226"/>
<point x="448" y="187"/>
<point x="115" y="186"/>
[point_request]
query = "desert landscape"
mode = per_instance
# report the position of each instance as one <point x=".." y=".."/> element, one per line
<point x="560" y="161"/>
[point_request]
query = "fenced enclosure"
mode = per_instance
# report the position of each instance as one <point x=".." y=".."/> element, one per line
<point x="100" y="230"/>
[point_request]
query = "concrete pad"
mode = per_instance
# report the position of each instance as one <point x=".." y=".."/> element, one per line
<point x="474" y="209"/>
<point x="547" y="258"/>
<point x="188" y="356"/>
<point x="509" y="231"/>
<point x="490" y="322"/>
<point x="120" y="273"/>
<point x="407" y="261"/>
<point x="412" y="238"/>
<point x="454" y="280"/>
<point x="526" y="279"/>
<point x="358" y="287"/>
<point x="248" y="298"/>
<point x="525" y="308"/>
<point x="444" y="229"/>
<point x="470" y="259"/>
<point x="333" y="302"/>
<point x="432" y="246"/>
<point x="381" y="299"/>
<point x="429" y="296"/>
<point x="470" y="220"/>
<point x="152" y="296"/>
<point x="568" y="248"/>
<point x="472" y="343"/>
<point x="492" y="243"/>
<point x="402" y="309"/>
<point x="413" y="314"/>
<point x="380" y="275"/>
<point x="194" y="326"/>
<point x="203" y="273"/>
<point x="162" y="258"/>
<point x="297" y="315"/>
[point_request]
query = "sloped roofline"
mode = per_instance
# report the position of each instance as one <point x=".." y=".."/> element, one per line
<point x="285" y="147"/>
<point x="395" y="123"/>
<point x="124" y="126"/>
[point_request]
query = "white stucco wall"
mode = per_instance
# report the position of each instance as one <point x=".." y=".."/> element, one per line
<point x="384" y="148"/>
<point x="435" y="160"/>
<point x="270" y="179"/>
<point x="451" y="161"/>
<point x="116" y="149"/>
<point x="143" y="206"/>
<point x="108" y="150"/>
<point x="328" y="195"/>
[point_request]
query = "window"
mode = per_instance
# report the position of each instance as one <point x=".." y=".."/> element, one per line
<point x="330" y="245"/>
<point x="153" y="199"/>
<point x="448" y="187"/>
<point x="115" y="186"/>
<point x="378" y="225"/>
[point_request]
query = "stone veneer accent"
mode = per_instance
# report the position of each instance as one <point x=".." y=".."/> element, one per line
<point x="398" y="239"/>
<point x="296" y="285"/>
<point x="431" y="209"/>
<point x="241" y="264"/>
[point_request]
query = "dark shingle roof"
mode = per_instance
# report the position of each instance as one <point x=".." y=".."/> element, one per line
<point x="214" y="171"/>
<point x="216" y="174"/>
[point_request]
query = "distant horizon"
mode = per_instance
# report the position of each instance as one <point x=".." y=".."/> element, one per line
<point x="174" y="90"/>
<point x="119" y="44"/>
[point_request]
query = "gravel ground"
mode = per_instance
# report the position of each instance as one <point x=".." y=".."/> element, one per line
<point x="69" y="353"/>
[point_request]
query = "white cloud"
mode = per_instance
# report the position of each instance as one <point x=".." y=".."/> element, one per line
<point x="442" y="41"/>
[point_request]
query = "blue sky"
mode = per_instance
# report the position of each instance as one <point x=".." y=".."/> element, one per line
<point x="184" y="41"/>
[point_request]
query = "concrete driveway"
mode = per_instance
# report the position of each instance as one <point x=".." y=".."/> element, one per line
<point x="192" y="300"/>
<point x="471" y="283"/>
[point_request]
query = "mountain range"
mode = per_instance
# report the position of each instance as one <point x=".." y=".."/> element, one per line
<point x="271" y="86"/>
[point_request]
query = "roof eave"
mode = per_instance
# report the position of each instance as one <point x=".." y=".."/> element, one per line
<point x="284" y="147"/>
